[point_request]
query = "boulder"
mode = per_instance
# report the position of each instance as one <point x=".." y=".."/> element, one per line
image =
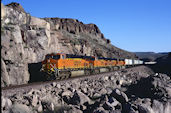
<point x="106" y="78"/>
<point x="20" y="108"/>
<point x="34" y="92"/>
<point x="74" y="110"/>
<point x="109" y="90"/>
<point x="127" y="108"/>
<point x="103" y="91"/>
<point x="157" y="107"/>
<point x="96" y="95"/>
<point x="167" y="108"/>
<point x="145" y="109"/>
<point x="120" y="96"/>
<point x="3" y="102"/>
<point x="100" y="110"/>
<point x="58" y="86"/>
<point x="108" y="106"/>
<point x="53" y="84"/>
<point x="111" y="78"/>
<point x="80" y="98"/>
<point x="147" y="101"/>
<point x="113" y="101"/>
<point x="34" y="100"/>
<point x="84" y="90"/>
<point x="67" y="95"/>
<point x="40" y="108"/>
<point x="6" y="103"/>
<point x="48" y="105"/>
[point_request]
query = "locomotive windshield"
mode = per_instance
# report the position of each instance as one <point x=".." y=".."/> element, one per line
<point x="53" y="56"/>
<point x="56" y="57"/>
<point x="48" y="56"/>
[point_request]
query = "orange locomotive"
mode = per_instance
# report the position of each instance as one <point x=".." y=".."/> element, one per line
<point x="59" y="65"/>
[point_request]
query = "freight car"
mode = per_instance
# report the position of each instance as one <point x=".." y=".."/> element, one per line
<point x="60" y="66"/>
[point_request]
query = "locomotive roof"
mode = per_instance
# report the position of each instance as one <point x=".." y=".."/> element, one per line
<point x="84" y="57"/>
<point x="103" y="58"/>
<point x="79" y="56"/>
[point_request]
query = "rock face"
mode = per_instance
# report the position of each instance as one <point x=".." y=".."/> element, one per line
<point x="26" y="39"/>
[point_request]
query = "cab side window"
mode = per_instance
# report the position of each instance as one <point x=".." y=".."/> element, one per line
<point x="63" y="57"/>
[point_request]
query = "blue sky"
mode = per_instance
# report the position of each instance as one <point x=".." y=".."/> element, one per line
<point x="132" y="25"/>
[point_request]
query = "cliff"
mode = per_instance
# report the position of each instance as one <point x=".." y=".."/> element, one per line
<point x="27" y="39"/>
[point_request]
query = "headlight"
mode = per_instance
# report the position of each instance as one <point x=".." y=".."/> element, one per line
<point x="52" y="69"/>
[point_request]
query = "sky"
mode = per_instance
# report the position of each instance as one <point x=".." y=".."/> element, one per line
<point x="132" y="25"/>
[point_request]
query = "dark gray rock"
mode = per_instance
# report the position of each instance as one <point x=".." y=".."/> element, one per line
<point x="120" y="96"/>
<point x="83" y="98"/>
<point x="127" y="108"/>
<point x="47" y="105"/>
<point x="153" y="86"/>
<point x="100" y="110"/>
<point x="74" y="110"/>
<point x="113" y="101"/>
<point x="145" y="109"/>
<point x="108" y="106"/>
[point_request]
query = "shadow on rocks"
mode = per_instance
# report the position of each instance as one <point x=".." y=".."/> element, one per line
<point x="35" y="74"/>
<point x="153" y="87"/>
<point x="163" y="65"/>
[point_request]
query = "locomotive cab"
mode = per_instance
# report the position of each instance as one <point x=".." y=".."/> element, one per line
<point x="49" y="61"/>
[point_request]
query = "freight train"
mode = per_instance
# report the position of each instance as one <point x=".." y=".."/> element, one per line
<point x="60" y="66"/>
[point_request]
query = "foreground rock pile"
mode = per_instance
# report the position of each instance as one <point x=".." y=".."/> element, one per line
<point x="112" y="93"/>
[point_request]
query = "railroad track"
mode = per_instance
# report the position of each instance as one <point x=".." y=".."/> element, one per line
<point x="10" y="90"/>
<point x="47" y="82"/>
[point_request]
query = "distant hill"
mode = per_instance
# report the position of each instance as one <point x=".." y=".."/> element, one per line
<point x="150" y="56"/>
